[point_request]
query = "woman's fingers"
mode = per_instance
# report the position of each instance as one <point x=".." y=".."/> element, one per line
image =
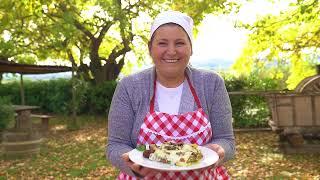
<point x="219" y="150"/>
<point x="148" y="172"/>
<point x="133" y="166"/>
<point x="143" y="171"/>
<point x="125" y="158"/>
<point x="136" y="168"/>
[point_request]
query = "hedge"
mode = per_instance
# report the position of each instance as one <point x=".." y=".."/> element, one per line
<point x="55" y="96"/>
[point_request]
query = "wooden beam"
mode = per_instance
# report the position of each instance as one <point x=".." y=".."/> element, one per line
<point x="32" y="69"/>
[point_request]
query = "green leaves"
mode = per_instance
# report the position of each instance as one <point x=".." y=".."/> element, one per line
<point x="6" y="113"/>
<point x="100" y="32"/>
<point x="290" y="38"/>
<point x="141" y="147"/>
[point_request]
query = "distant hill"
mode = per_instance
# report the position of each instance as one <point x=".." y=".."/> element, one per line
<point x="65" y="75"/>
<point x="211" y="64"/>
<point x="214" y="64"/>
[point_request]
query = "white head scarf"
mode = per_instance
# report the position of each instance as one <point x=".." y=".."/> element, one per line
<point x="176" y="17"/>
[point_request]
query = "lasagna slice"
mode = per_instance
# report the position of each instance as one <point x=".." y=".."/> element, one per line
<point x="174" y="153"/>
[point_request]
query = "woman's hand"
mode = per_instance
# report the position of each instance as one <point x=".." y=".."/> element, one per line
<point x="219" y="150"/>
<point x="144" y="172"/>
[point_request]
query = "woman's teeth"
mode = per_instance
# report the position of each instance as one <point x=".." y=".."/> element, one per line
<point x="171" y="60"/>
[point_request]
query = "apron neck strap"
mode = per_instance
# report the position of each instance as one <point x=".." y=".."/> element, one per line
<point x="193" y="91"/>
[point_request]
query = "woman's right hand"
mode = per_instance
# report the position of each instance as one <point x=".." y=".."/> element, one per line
<point x="144" y="172"/>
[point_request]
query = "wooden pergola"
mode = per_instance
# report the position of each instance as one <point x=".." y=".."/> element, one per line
<point x="12" y="67"/>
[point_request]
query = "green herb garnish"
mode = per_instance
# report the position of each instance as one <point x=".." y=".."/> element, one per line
<point x="141" y="147"/>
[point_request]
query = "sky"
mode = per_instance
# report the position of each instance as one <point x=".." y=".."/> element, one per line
<point x="218" y="39"/>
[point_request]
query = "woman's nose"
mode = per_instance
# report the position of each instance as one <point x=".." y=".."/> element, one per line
<point x="171" y="49"/>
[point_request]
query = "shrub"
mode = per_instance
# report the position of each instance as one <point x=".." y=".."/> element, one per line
<point x="249" y="110"/>
<point x="6" y="113"/>
<point x="55" y="96"/>
<point x="99" y="97"/>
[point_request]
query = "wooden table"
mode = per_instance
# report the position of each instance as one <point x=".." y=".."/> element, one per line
<point x="23" y="140"/>
<point x="23" y="119"/>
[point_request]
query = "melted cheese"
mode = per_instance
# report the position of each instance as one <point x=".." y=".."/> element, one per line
<point x="183" y="155"/>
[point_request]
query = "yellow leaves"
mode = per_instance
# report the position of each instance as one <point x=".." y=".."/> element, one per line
<point x="287" y="36"/>
<point x="268" y="158"/>
<point x="258" y="156"/>
<point x="286" y="173"/>
<point x="289" y="32"/>
<point x="245" y="62"/>
<point x="300" y="70"/>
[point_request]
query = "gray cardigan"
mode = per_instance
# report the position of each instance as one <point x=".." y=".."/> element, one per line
<point x="130" y="104"/>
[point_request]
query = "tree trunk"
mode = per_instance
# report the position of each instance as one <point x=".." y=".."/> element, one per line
<point x="111" y="69"/>
<point x="108" y="72"/>
<point x="73" y="124"/>
<point x="318" y="69"/>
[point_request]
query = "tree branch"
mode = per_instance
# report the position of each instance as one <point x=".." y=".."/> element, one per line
<point x="83" y="29"/>
<point x="116" y="53"/>
<point x="103" y="31"/>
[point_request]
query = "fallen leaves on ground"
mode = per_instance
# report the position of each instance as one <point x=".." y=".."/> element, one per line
<point x="258" y="157"/>
<point x="65" y="154"/>
<point x="81" y="155"/>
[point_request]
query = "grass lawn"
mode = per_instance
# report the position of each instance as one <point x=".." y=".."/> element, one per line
<point x="80" y="154"/>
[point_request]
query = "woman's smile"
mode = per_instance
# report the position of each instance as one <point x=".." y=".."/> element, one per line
<point x="170" y="60"/>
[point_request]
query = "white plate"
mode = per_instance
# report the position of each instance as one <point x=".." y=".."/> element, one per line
<point x="209" y="157"/>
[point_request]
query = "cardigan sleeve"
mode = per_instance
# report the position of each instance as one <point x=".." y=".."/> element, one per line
<point x="220" y="115"/>
<point x="120" y="124"/>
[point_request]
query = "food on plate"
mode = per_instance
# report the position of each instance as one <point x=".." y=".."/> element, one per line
<point x="178" y="154"/>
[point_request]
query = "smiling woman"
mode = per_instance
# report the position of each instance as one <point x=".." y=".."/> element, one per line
<point x="170" y="49"/>
<point x="170" y="102"/>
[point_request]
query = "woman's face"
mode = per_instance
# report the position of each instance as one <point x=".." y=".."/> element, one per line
<point x="170" y="49"/>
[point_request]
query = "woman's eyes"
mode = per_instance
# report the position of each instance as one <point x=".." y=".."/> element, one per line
<point x="165" y="43"/>
<point x="162" y="43"/>
<point x="180" y="43"/>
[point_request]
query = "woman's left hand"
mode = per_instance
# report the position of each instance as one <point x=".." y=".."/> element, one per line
<point x="219" y="150"/>
<point x="143" y="172"/>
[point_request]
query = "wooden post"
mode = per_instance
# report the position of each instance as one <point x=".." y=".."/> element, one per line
<point x="22" y="90"/>
<point x="74" y="108"/>
<point x="74" y="123"/>
<point x="23" y="120"/>
<point x="45" y="123"/>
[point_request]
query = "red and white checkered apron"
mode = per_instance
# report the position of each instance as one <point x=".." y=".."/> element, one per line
<point x="190" y="127"/>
